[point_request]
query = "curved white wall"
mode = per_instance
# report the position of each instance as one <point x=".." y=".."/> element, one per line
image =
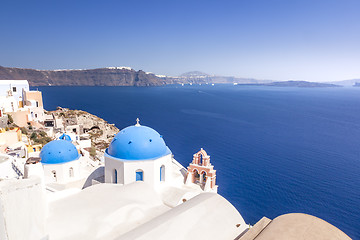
<point x="126" y="170"/>
<point x="62" y="172"/>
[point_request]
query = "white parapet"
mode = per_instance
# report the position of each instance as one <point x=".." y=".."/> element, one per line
<point x="23" y="209"/>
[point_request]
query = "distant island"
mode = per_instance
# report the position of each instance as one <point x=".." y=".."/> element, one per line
<point x="300" y="84"/>
<point x="357" y="84"/>
<point x="126" y="76"/>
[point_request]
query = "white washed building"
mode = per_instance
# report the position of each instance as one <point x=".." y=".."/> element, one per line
<point x="15" y="87"/>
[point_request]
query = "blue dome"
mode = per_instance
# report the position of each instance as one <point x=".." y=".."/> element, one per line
<point x="138" y="143"/>
<point x="58" y="151"/>
<point x="65" y="137"/>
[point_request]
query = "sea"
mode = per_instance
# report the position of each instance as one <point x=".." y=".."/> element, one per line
<point x="276" y="150"/>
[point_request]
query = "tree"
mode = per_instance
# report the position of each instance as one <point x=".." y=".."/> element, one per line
<point x="10" y="119"/>
<point x="24" y="131"/>
<point x="33" y="136"/>
<point x="42" y="134"/>
<point x="93" y="151"/>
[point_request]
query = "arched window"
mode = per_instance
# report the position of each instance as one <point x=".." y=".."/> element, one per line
<point x="139" y="175"/>
<point x="201" y="159"/>
<point x="115" y="177"/>
<point x="203" y="177"/>
<point x="196" y="176"/>
<point x="71" y="172"/>
<point x="162" y="173"/>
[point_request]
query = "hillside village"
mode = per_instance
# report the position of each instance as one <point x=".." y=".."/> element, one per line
<point x="25" y="126"/>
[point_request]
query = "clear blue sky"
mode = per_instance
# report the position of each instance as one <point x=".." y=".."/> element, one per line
<point x="266" y="39"/>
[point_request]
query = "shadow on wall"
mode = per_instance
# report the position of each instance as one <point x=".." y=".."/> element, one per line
<point x="98" y="176"/>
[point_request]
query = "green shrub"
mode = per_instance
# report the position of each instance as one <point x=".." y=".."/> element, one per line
<point x="43" y="140"/>
<point x="24" y="131"/>
<point x="33" y="136"/>
<point x="42" y="134"/>
<point x="10" y="119"/>
<point x="93" y="151"/>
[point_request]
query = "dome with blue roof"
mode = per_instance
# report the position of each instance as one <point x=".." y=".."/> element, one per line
<point x="138" y="143"/>
<point x="59" y="151"/>
<point x="65" y="137"/>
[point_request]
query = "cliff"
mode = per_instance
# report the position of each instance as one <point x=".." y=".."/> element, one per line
<point x="113" y="76"/>
<point x="89" y="77"/>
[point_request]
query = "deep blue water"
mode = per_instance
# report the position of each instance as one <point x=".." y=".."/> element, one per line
<point x="276" y="150"/>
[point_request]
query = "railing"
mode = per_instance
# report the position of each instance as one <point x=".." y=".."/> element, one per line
<point x="17" y="170"/>
<point x="182" y="169"/>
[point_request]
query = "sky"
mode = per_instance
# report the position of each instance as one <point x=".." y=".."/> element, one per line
<point x="309" y="40"/>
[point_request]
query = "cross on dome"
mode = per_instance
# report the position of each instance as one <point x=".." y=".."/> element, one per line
<point x="137" y="122"/>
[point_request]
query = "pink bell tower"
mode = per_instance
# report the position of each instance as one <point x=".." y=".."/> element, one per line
<point x="201" y="172"/>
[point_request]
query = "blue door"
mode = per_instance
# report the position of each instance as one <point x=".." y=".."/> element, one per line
<point x="139" y="175"/>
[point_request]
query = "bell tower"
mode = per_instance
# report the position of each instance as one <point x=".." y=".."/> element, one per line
<point x="201" y="172"/>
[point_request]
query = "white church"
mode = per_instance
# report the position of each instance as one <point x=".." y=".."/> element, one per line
<point x="141" y="192"/>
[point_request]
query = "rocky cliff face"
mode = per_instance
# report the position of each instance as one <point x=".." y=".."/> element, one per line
<point x="101" y="132"/>
<point x="113" y="77"/>
<point x="90" y="77"/>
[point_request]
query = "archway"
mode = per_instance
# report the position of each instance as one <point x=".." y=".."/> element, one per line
<point x="201" y="159"/>
<point x="203" y="177"/>
<point x="196" y="176"/>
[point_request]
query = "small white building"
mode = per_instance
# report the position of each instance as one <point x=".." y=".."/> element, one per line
<point x="6" y="167"/>
<point x="14" y="88"/>
<point x="80" y="141"/>
<point x="61" y="161"/>
<point x="8" y="103"/>
<point x="23" y="105"/>
<point x="138" y="153"/>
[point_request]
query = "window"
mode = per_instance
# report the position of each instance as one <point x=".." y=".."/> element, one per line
<point x="196" y="176"/>
<point x="139" y="175"/>
<point x="54" y="175"/>
<point x="162" y="173"/>
<point x="37" y="104"/>
<point x="14" y="89"/>
<point x="203" y="177"/>
<point x="71" y="172"/>
<point x="115" y="176"/>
